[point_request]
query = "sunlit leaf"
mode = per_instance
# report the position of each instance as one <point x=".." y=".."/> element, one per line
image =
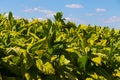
<point x="27" y="76"/>
<point x="57" y="50"/>
<point x="97" y="60"/>
<point x="63" y="60"/>
<point x="39" y="64"/>
<point x="48" y="68"/>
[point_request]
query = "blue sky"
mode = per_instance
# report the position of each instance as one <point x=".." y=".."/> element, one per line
<point x="94" y="12"/>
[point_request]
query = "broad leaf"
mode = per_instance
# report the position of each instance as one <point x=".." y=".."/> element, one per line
<point x="82" y="61"/>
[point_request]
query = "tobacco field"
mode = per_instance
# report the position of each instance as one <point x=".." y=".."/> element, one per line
<point x="57" y="50"/>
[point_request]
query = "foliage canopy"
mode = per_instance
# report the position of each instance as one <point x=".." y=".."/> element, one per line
<point x="57" y="50"/>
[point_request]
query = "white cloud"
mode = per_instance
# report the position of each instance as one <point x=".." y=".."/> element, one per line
<point x="90" y="14"/>
<point x="76" y="20"/>
<point x="68" y="18"/>
<point x="74" y="6"/>
<point x="16" y="17"/>
<point x="40" y="18"/>
<point x="113" y="19"/>
<point x="100" y="10"/>
<point x="48" y="13"/>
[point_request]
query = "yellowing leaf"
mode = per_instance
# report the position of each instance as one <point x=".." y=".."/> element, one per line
<point x="97" y="60"/>
<point x="53" y="58"/>
<point x="70" y="50"/>
<point x="6" y="59"/>
<point x="58" y="23"/>
<point x="117" y="58"/>
<point x="48" y="68"/>
<point x="91" y="42"/>
<point x="39" y="64"/>
<point x="87" y="49"/>
<point x="27" y="76"/>
<point x="95" y="76"/>
<point x="83" y="26"/>
<point x="104" y="42"/>
<point x="63" y="60"/>
<point x="61" y="36"/>
<point x="89" y="79"/>
<point x="118" y="73"/>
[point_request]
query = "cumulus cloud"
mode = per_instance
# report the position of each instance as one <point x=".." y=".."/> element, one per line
<point x="74" y="6"/>
<point x="76" y="20"/>
<point x="113" y="19"/>
<point x="100" y="10"/>
<point x="48" y="13"/>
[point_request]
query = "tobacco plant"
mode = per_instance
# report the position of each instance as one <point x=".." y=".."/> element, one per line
<point x="57" y="50"/>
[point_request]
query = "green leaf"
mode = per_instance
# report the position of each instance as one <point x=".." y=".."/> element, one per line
<point x="7" y="58"/>
<point x="10" y="16"/>
<point x="8" y="78"/>
<point x="117" y="57"/>
<point x="70" y="76"/>
<point x="35" y="36"/>
<point x="28" y="61"/>
<point x="0" y="76"/>
<point x="82" y="61"/>
<point x="15" y="59"/>
<point x="2" y="23"/>
<point x="58" y="16"/>
<point x="36" y="45"/>
<point x="104" y="73"/>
